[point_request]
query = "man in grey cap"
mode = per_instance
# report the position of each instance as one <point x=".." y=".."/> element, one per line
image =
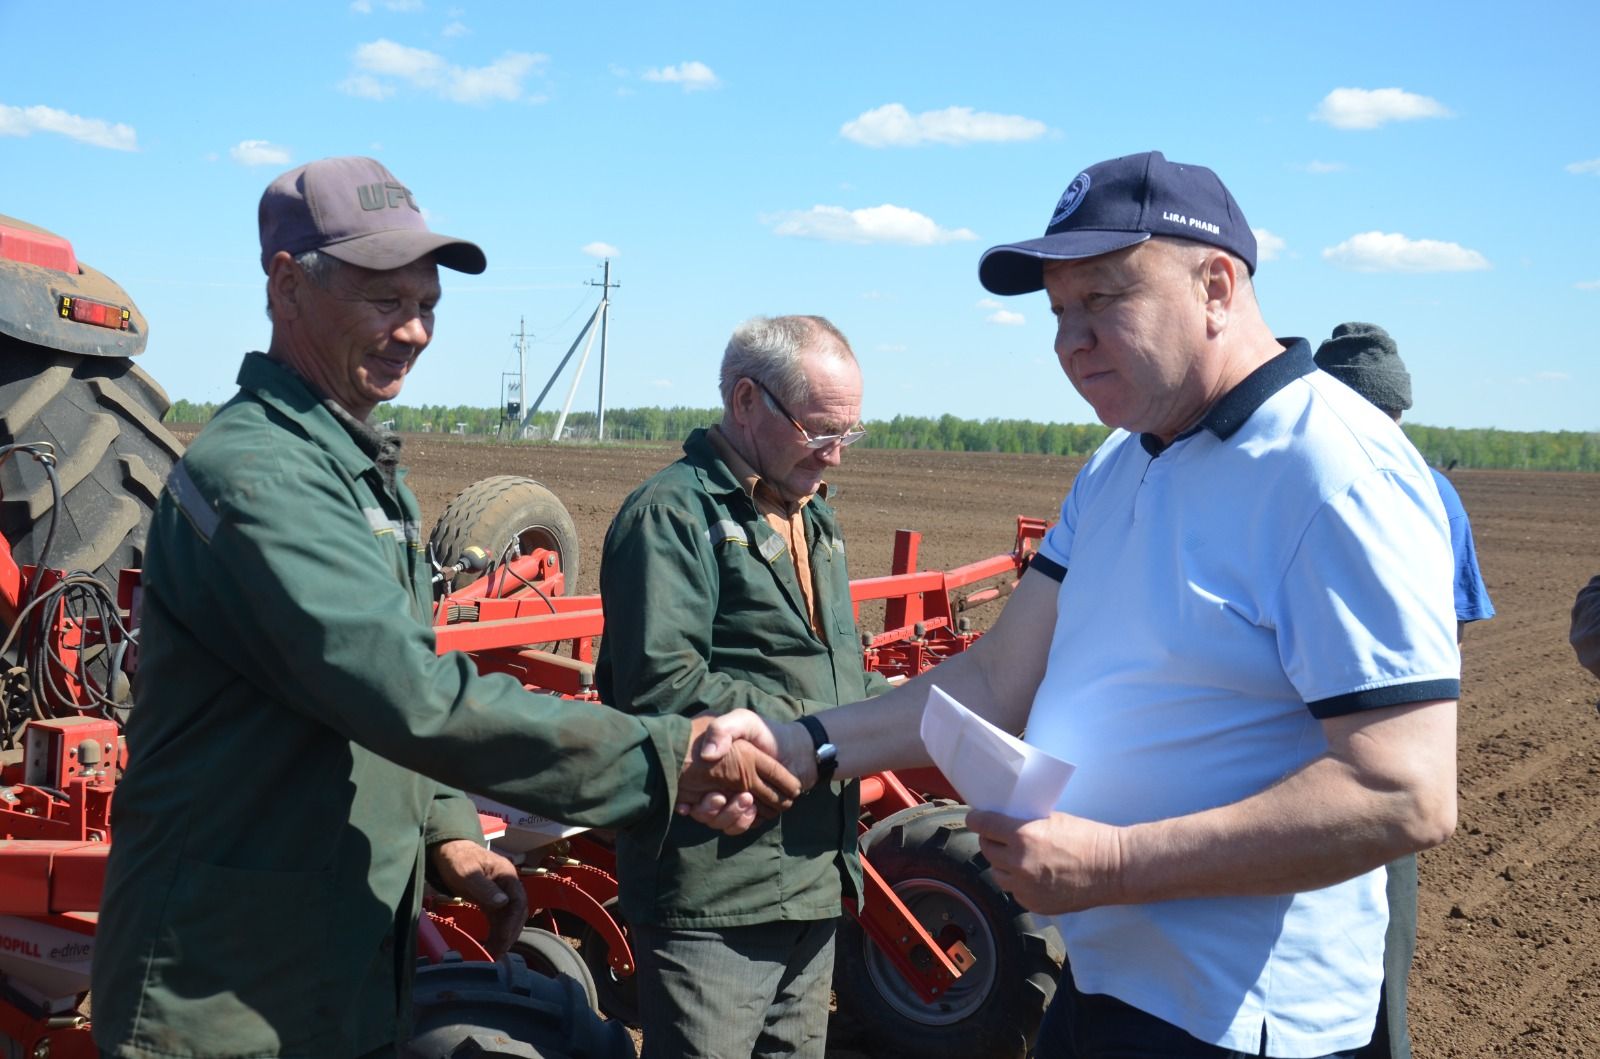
<point x="1365" y="358"/>
<point x="1240" y="633"/>
<point x="297" y="744"/>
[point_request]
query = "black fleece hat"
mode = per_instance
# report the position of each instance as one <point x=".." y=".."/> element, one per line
<point x="1364" y="358"/>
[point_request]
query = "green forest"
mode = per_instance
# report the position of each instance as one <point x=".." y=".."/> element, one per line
<point x="1544" y="450"/>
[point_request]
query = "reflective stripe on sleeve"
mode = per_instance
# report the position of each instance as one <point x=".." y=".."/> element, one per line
<point x="187" y="495"/>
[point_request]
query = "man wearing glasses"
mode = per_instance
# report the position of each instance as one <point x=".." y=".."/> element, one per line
<point x="724" y="585"/>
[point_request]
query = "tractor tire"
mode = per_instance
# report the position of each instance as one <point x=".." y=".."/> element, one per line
<point x="933" y="864"/>
<point x="550" y="955"/>
<point x="479" y="1009"/>
<point x="618" y="994"/>
<point x="494" y="512"/>
<point x="103" y="417"/>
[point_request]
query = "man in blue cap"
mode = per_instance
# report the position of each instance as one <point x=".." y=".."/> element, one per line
<point x="1241" y="632"/>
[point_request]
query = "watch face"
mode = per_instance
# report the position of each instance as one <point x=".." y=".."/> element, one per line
<point x="827" y="761"/>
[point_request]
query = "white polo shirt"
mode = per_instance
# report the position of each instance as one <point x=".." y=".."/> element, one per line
<point x="1287" y="560"/>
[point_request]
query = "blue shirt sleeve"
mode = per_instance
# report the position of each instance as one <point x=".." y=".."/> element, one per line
<point x="1363" y="614"/>
<point x="1472" y="595"/>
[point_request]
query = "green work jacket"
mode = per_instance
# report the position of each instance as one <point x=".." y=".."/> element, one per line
<point x="296" y="743"/>
<point x="704" y="612"/>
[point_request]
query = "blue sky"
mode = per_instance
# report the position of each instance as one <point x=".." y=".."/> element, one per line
<point x="1434" y="168"/>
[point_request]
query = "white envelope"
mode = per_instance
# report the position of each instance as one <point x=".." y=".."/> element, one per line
<point x="991" y="769"/>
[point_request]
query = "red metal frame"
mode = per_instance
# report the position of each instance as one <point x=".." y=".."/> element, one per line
<point x="54" y="835"/>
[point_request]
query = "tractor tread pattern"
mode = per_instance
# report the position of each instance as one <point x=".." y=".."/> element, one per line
<point x="102" y="417"/>
<point x="43" y="388"/>
<point x="113" y="396"/>
<point x="504" y="1009"/>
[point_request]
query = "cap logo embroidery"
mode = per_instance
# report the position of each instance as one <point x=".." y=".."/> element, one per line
<point x="1070" y="199"/>
<point x="1192" y="222"/>
<point x="384" y="196"/>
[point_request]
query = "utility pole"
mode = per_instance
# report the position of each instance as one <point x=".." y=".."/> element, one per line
<point x="522" y="369"/>
<point x="600" y="316"/>
<point x="605" y="286"/>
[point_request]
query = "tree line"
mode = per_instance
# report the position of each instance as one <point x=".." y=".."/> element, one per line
<point x="1478" y="447"/>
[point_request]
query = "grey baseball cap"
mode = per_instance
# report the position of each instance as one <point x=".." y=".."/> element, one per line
<point x="355" y="210"/>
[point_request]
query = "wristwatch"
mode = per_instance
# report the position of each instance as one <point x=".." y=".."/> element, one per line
<point x="827" y="753"/>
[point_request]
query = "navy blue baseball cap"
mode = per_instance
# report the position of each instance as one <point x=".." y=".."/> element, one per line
<point x="1115" y="204"/>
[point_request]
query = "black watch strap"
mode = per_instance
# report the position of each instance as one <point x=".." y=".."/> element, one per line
<point x="827" y="753"/>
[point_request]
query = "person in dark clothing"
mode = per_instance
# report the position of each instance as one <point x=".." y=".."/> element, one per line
<point x="1364" y="358"/>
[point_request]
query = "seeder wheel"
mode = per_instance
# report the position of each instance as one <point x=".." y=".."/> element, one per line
<point x="503" y="1009"/>
<point x="618" y="994"/>
<point x="550" y="955"/>
<point x="932" y="861"/>
<point x="492" y="513"/>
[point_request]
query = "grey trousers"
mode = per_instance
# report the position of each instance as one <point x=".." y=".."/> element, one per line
<point x="735" y="992"/>
<point x="1391" y="1037"/>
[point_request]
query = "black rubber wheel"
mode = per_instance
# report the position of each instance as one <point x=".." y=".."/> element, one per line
<point x="103" y="417"/>
<point x="618" y="994"/>
<point x="503" y="1009"/>
<point x="494" y="512"/>
<point x="550" y="955"/>
<point x="934" y="866"/>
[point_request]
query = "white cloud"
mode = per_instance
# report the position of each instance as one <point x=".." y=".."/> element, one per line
<point x="1552" y="376"/>
<point x="1321" y="168"/>
<point x="25" y="121"/>
<point x="361" y="7"/>
<point x="1588" y="284"/>
<point x="1392" y="252"/>
<point x="386" y="58"/>
<point x="661" y="384"/>
<point x="1268" y="245"/>
<point x="258" y="152"/>
<point x="988" y="303"/>
<point x="364" y="7"/>
<point x="892" y="125"/>
<point x="365" y="86"/>
<point x="455" y="29"/>
<point x="875" y="224"/>
<point x="1007" y="318"/>
<point x="692" y="75"/>
<point x="382" y="62"/>
<point x="1590" y="166"/>
<point x="1367" y="108"/>
<point x="599" y="249"/>
<point x="501" y="79"/>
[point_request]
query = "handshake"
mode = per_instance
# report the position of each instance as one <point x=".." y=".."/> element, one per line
<point x="740" y="769"/>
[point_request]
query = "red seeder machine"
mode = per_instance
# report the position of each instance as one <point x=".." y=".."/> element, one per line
<point x="937" y="960"/>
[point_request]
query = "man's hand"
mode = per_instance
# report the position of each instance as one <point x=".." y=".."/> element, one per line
<point x="480" y="875"/>
<point x="1059" y="864"/>
<point x="730" y="776"/>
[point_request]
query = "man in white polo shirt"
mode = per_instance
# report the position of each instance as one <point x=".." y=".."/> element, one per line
<point x="1241" y="631"/>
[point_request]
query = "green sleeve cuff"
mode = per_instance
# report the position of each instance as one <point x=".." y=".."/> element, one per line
<point x="669" y="739"/>
<point x="451" y="816"/>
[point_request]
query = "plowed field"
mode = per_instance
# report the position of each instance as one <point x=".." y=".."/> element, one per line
<point x="1508" y="954"/>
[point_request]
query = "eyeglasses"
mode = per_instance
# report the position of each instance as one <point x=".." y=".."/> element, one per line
<point x="815" y="442"/>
